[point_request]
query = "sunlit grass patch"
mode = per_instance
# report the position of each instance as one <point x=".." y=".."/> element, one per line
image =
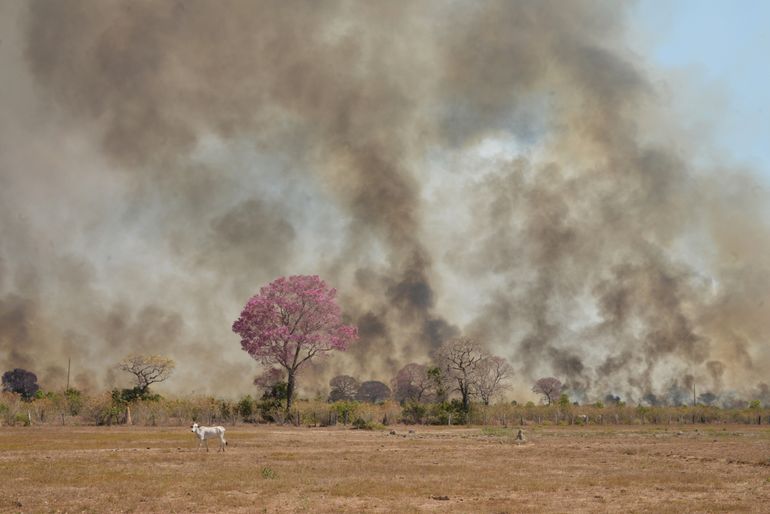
<point x="318" y="470"/>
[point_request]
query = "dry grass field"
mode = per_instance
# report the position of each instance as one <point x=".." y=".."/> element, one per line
<point x="282" y="469"/>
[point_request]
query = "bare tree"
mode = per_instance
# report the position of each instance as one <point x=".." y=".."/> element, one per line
<point x="491" y="376"/>
<point x="460" y="360"/>
<point x="549" y="387"/>
<point x="344" y="387"/>
<point x="412" y="382"/>
<point x="147" y="369"/>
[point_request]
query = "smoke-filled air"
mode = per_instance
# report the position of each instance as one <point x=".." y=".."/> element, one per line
<point x="506" y="171"/>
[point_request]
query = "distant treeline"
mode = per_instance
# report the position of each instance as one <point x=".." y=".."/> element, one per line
<point x="72" y="407"/>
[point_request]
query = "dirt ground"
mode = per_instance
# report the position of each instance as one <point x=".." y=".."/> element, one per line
<point x="282" y="469"/>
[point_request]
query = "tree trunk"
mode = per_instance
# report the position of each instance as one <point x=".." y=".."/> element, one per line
<point x="289" y="390"/>
<point x="465" y="392"/>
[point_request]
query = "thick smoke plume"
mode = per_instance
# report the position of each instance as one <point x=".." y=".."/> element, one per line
<point x="499" y="169"/>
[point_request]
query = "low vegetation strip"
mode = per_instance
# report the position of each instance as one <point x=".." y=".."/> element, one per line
<point x="109" y="409"/>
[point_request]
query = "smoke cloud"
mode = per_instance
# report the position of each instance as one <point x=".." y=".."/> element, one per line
<point x="499" y="169"/>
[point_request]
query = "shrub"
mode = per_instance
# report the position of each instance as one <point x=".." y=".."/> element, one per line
<point x="361" y="424"/>
<point x="346" y="410"/>
<point x="271" y="410"/>
<point x="446" y="413"/>
<point x="246" y="409"/>
<point x="21" y="419"/>
<point x="74" y="401"/>
<point x="105" y="409"/>
<point x="413" y="412"/>
<point x="10" y="404"/>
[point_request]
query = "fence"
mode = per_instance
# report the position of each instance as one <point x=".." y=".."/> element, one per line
<point x="102" y="409"/>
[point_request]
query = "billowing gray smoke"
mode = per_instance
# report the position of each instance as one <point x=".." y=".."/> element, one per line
<point x="494" y="168"/>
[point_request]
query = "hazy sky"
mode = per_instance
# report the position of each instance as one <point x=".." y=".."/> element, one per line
<point x="722" y="47"/>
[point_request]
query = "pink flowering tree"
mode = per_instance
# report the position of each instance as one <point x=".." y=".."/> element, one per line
<point x="290" y="321"/>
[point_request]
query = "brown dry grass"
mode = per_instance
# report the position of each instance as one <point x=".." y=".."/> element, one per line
<point x="577" y="469"/>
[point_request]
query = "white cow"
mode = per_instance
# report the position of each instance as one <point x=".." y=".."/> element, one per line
<point x="205" y="433"/>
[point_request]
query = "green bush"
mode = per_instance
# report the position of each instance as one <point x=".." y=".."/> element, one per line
<point x="346" y="410"/>
<point x="271" y="410"/>
<point x="246" y="409"/>
<point x="74" y="401"/>
<point x="446" y="413"/>
<point x="413" y="412"/>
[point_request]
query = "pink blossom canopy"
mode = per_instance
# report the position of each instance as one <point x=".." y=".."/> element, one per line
<point x="291" y="320"/>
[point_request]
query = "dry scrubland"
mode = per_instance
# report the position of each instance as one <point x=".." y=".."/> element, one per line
<point x="275" y="469"/>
